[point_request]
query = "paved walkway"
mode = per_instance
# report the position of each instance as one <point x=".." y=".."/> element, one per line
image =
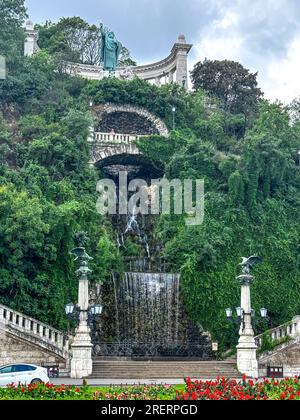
<point x="107" y="382"/>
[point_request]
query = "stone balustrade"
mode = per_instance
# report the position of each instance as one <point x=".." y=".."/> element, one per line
<point x="115" y="138"/>
<point x="34" y="331"/>
<point x="173" y="68"/>
<point x="290" y="329"/>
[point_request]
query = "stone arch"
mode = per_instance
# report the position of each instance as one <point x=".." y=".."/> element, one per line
<point x="103" y="152"/>
<point x="158" y="125"/>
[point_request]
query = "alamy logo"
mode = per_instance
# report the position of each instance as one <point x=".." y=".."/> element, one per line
<point x="161" y="197"/>
<point x="2" y="68"/>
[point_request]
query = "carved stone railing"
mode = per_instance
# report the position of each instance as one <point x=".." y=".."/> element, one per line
<point x="290" y="329"/>
<point x="34" y="331"/>
<point x="109" y="138"/>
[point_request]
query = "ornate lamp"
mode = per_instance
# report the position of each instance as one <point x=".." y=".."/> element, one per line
<point x="96" y="310"/>
<point x="264" y="313"/>
<point x="69" y="308"/>
<point x="228" y="312"/>
<point x="239" y="312"/>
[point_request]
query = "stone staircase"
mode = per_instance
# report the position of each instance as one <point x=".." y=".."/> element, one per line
<point x="26" y="340"/>
<point x="112" y="369"/>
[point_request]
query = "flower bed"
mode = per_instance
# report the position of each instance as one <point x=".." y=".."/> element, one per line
<point x="225" y="389"/>
<point x="219" y="389"/>
<point x="43" y="392"/>
<point x="63" y="392"/>
<point x="138" y="392"/>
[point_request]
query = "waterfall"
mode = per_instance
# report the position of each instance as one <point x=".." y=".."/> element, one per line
<point x="116" y="307"/>
<point x="143" y="317"/>
<point x="149" y="314"/>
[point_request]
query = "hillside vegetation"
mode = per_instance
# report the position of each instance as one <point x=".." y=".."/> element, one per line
<point x="248" y="159"/>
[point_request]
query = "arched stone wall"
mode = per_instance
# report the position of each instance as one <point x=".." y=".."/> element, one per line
<point x="100" y="153"/>
<point x="109" y="108"/>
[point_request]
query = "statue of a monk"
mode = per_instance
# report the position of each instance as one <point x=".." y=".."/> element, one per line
<point x="110" y="50"/>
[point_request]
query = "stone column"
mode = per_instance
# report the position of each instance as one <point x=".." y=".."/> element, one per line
<point x="158" y="81"/>
<point x="182" y="71"/>
<point x="34" y="328"/>
<point x="171" y="77"/>
<point x="296" y="326"/>
<point x="246" y="349"/>
<point x="81" y="349"/>
<point x="181" y="62"/>
<point x="30" y="44"/>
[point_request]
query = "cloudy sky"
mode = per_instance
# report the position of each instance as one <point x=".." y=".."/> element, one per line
<point x="264" y="35"/>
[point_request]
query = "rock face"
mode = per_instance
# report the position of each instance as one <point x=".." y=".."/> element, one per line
<point x="126" y="123"/>
<point x="139" y="117"/>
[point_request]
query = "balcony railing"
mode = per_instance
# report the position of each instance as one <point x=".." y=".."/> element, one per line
<point x="116" y="138"/>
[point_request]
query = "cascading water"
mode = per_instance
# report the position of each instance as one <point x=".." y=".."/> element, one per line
<point x="143" y="316"/>
<point x="146" y="319"/>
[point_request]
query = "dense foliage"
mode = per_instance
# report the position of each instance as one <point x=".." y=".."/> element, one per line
<point x="230" y="82"/>
<point x="48" y="192"/>
<point x="12" y="16"/>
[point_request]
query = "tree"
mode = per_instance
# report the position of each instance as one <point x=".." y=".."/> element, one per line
<point x="125" y="58"/>
<point x="71" y="39"/>
<point x="230" y="82"/>
<point x="12" y="17"/>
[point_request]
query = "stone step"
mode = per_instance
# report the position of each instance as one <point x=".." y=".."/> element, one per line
<point x="162" y="370"/>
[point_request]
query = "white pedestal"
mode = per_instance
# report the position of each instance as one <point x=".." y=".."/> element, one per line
<point x="81" y="363"/>
<point x="246" y="358"/>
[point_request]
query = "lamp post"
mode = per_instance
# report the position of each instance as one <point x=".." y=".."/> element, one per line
<point x="173" y="112"/>
<point x="81" y="362"/>
<point x="246" y="348"/>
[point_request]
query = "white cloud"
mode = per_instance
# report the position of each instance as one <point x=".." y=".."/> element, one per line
<point x="281" y="79"/>
<point x="263" y="37"/>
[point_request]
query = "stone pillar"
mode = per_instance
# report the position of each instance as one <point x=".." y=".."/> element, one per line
<point x="246" y="349"/>
<point x="30" y="44"/>
<point x="81" y="349"/>
<point x="296" y="326"/>
<point x="158" y="81"/>
<point x="34" y="328"/>
<point x="171" y="77"/>
<point x="181" y="62"/>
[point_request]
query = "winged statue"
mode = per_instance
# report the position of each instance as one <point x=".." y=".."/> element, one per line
<point x="248" y="264"/>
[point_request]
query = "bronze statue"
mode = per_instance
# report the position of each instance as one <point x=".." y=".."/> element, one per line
<point x="249" y="263"/>
<point x="110" y="49"/>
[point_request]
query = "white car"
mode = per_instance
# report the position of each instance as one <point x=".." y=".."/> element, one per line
<point x="24" y="374"/>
